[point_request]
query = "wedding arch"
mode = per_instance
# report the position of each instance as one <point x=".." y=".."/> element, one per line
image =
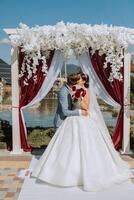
<point x="37" y="56"/>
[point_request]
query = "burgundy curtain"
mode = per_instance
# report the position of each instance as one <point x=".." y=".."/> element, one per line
<point x="114" y="89"/>
<point x="27" y="93"/>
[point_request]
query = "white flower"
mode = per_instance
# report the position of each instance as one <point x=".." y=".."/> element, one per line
<point x="109" y="40"/>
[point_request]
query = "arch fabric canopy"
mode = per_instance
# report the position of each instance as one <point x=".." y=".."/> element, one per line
<point x="97" y="87"/>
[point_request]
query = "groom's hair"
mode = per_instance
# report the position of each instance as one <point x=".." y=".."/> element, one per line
<point x="73" y="79"/>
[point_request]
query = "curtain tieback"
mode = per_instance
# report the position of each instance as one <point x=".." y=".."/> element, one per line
<point x="18" y="107"/>
<point x="125" y="105"/>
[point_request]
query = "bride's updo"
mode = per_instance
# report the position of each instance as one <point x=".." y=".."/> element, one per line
<point x="73" y="79"/>
<point x="85" y="78"/>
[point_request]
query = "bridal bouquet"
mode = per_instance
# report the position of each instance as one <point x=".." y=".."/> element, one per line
<point x="78" y="93"/>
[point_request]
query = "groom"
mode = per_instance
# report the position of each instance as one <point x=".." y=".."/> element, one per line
<point x="64" y="108"/>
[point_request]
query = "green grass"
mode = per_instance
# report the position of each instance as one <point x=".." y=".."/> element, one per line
<point x="37" y="137"/>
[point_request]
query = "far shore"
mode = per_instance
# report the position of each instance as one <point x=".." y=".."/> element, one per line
<point x="8" y="107"/>
<point x="5" y="107"/>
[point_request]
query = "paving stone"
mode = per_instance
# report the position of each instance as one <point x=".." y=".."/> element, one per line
<point x="13" y="190"/>
<point x="2" y="177"/>
<point x="16" y="196"/>
<point x="8" y="181"/>
<point x="2" y="194"/>
<point x="10" y="194"/>
<point x="18" y="189"/>
<point x="1" y="181"/>
<point x="3" y="189"/>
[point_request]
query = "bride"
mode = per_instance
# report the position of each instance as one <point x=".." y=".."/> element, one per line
<point x="79" y="154"/>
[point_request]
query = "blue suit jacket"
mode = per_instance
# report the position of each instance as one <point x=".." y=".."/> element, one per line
<point x="64" y="108"/>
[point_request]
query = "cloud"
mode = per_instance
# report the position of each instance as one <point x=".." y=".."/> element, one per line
<point x="5" y="41"/>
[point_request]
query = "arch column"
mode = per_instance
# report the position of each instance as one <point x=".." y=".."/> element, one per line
<point x="16" y="146"/>
<point x="126" y="120"/>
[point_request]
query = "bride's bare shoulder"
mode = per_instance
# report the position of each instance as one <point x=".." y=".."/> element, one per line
<point x="87" y="92"/>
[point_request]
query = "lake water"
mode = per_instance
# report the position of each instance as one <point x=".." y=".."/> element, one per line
<point x="44" y="115"/>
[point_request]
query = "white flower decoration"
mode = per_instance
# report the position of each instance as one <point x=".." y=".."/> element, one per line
<point x="109" y="40"/>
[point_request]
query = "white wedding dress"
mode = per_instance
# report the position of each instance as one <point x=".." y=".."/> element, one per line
<point x="79" y="154"/>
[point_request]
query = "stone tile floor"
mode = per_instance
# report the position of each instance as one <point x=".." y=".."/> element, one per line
<point x="10" y="184"/>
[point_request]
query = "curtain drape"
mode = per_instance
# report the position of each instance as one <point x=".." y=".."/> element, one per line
<point x="114" y="89"/>
<point x="34" y="92"/>
<point x="98" y="88"/>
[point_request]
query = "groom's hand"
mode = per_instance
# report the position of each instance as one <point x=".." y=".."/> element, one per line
<point x="84" y="112"/>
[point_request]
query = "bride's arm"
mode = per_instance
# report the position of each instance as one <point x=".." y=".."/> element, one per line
<point x="85" y="102"/>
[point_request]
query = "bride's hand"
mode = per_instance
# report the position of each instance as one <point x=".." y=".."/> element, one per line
<point x="84" y="104"/>
<point x="84" y="112"/>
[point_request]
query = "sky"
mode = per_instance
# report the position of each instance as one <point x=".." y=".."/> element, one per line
<point x="44" y="12"/>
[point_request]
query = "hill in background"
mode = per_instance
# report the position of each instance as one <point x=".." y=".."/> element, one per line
<point x="5" y="71"/>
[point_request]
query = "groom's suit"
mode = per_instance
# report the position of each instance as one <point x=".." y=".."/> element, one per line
<point x="64" y="108"/>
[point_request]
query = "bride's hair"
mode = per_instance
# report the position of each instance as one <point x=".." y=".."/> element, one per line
<point x="85" y="78"/>
<point x="73" y="79"/>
